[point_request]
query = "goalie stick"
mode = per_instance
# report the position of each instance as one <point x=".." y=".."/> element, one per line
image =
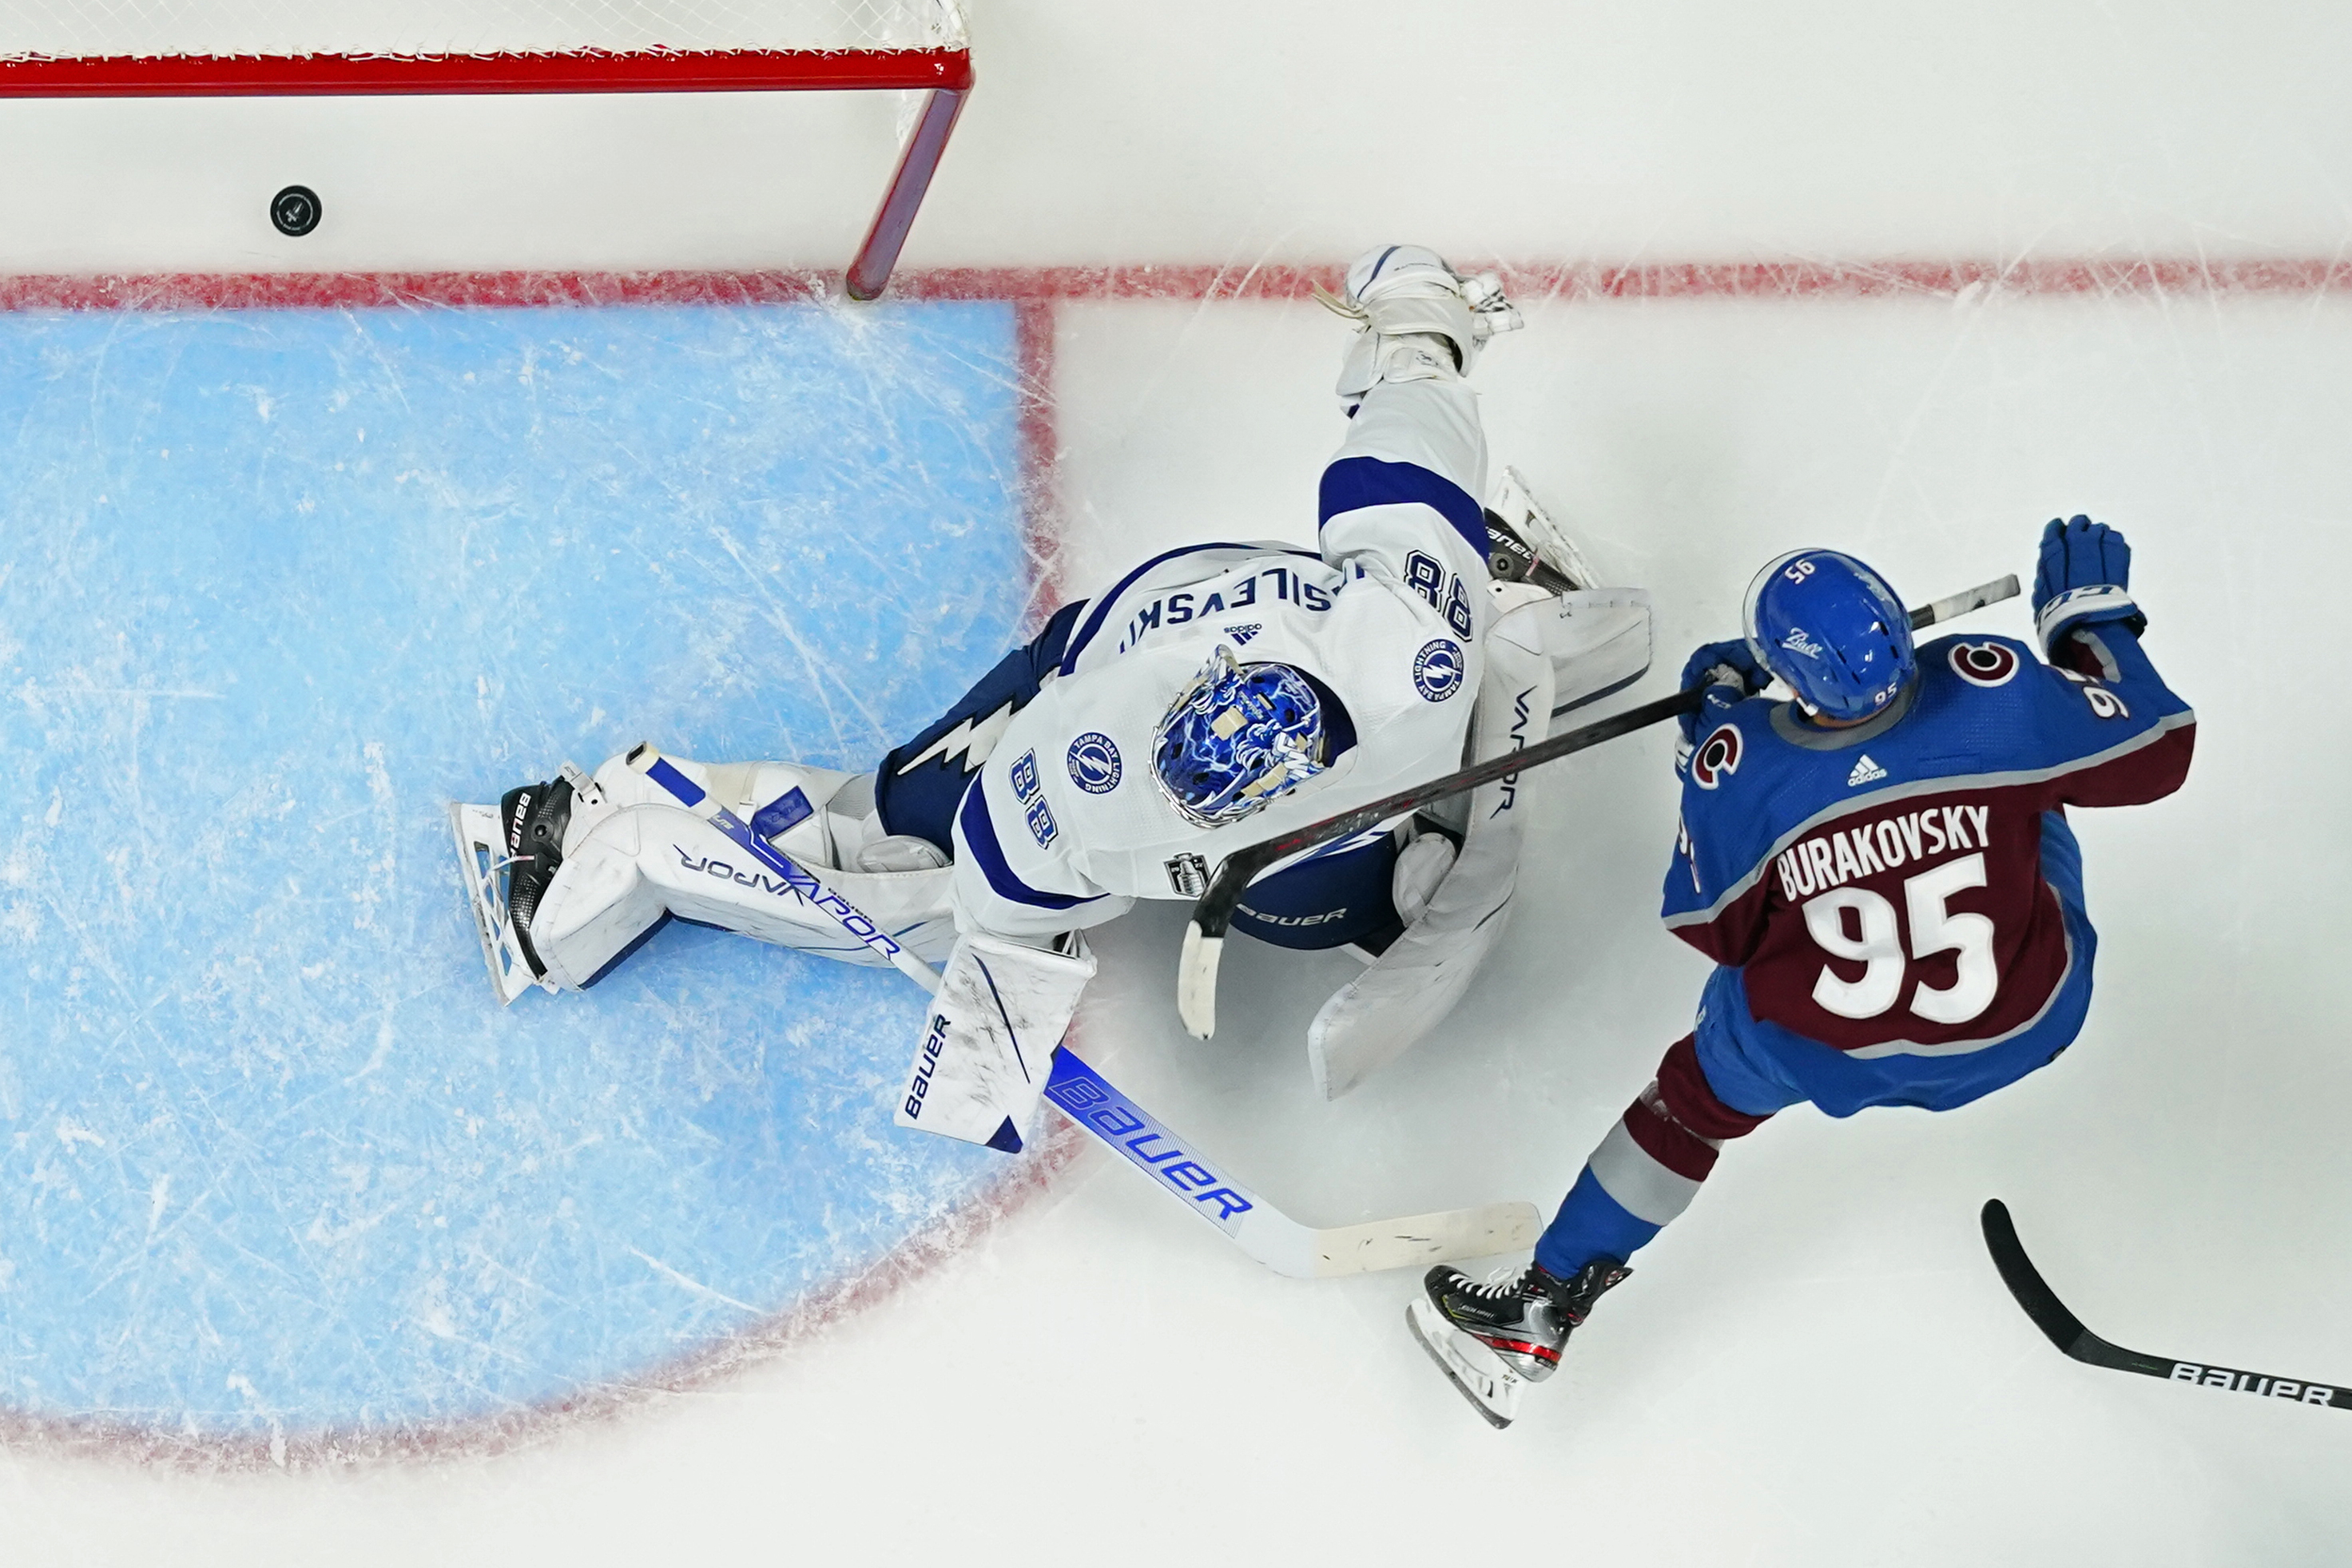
<point x="1174" y="1162"/>
<point x="1212" y="913"/>
<point x="2066" y="1331"/>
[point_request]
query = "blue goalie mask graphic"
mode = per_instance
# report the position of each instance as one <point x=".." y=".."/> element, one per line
<point x="1236" y="738"/>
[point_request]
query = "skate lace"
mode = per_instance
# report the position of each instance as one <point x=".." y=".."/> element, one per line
<point x="1497" y="1286"/>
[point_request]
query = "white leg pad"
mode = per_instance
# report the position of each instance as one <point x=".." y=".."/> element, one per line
<point x="1408" y="989"/>
<point x="1597" y="639"/>
<point x="631" y="854"/>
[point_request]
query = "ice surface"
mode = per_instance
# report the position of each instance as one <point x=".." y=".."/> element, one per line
<point x="278" y="586"/>
<point x="1816" y="1366"/>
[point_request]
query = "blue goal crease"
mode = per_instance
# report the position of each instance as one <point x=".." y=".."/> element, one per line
<point x="275" y="586"/>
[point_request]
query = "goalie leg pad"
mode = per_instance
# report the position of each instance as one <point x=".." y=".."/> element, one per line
<point x="1410" y="987"/>
<point x="633" y="856"/>
<point x="988" y="1040"/>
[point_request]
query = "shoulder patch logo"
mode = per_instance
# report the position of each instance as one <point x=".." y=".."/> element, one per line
<point x="1242" y="635"/>
<point x="1093" y="763"/>
<point x="1984" y="663"/>
<point x="1438" y="670"/>
<point x="1865" y="771"/>
<point x="1188" y="875"/>
<point x="1717" y="757"/>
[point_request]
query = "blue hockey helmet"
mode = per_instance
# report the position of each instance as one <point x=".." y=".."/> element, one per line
<point x="1831" y="628"/>
<point x="1237" y="737"/>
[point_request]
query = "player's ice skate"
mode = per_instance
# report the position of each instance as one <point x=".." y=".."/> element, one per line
<point x="1493" y="1339"/>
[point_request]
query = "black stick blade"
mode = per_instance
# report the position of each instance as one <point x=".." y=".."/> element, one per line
<point x="2067" y="1333"/>
<point x="2026" y="1283"/>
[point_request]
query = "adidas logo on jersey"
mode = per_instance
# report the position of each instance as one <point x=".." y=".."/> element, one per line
<point x="1242" y="635"/>
<point x="1864" y="772"/>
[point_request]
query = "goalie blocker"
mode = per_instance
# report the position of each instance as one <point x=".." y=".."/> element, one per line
<point x="987" y="1048"/>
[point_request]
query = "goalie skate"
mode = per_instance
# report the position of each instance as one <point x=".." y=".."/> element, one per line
<point x="482" y="862"/>
<point x="1476" y="1372"/>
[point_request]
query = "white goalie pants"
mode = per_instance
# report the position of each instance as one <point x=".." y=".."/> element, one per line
<point x="634" y="859"/>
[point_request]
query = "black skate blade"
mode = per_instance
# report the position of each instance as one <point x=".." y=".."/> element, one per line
<point x="1492" y="1417"/>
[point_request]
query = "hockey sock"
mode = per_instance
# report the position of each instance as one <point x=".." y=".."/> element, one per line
<point x="1648" y="1168"/>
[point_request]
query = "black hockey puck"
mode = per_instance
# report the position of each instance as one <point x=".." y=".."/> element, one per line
<point x="295" y="210"/>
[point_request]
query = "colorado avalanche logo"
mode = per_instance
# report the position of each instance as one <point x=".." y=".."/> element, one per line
<point x="1437" y="670"/>
<point x="1717" y="757"/>
<point x="1984" y="663"/>
<point x="1093" y="763"/>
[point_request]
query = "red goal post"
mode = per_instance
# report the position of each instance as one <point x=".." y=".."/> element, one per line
<point x="277" y="49"/>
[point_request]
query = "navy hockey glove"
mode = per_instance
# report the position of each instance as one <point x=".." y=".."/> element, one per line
<point x="2084" y="578"/>
<point x="1720" y="665"/>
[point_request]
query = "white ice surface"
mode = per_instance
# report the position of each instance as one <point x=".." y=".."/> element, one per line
<point x="1816" y="1366"/>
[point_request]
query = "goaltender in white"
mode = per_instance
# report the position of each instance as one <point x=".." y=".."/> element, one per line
<point x="1215" y="697"/>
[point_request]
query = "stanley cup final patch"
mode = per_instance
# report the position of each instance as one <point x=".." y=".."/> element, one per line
<point x="1188" y="875"/>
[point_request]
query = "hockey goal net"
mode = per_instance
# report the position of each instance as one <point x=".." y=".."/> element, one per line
<point x="262" y="48"/>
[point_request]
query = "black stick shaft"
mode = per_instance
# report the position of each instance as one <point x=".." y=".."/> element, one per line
<point x="2065" y="1331"/>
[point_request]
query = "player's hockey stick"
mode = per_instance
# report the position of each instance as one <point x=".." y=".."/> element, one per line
<point x="2067" y="1333"/>
<point x="1090" y="1100"/>
<point x="1205" y="935"/>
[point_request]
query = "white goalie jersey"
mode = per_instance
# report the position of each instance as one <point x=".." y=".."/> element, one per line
<point x="1067" y="824"/>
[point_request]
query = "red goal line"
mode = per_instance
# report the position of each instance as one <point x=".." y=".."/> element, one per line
<point x="1529" y="282"/>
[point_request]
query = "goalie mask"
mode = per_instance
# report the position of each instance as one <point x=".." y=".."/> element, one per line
<point x="1236" y="738"/>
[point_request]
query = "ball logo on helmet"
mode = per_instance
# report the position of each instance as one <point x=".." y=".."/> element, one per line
<point x="1438" y="670"/>
<point x="1717" y="757"/>
<point x="1796" y="641"/>
<point x="1093" y="763"/>
<point x="1984" y="663"/>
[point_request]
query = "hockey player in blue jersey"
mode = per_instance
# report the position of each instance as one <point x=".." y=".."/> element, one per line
<point x="1214" y="696"/>
<point x="1882" y="872"/>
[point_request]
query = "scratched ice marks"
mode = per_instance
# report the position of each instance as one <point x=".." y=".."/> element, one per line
<point x="275" y="585"/>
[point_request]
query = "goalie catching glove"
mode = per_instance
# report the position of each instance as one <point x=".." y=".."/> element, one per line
<point x="989" y="1039"/>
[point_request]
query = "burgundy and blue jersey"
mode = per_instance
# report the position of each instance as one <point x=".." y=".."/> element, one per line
<point x="1882" y="889"/>
<point x="1895" y="909"/>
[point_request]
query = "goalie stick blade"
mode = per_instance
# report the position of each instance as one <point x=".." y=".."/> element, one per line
<point x="1262" y="1231"/>
<point x="2066" y="1330"/>
<point x="1492" y="1388"/>
<point x="481" y="856"/>
<point x="1447" y="1237"/>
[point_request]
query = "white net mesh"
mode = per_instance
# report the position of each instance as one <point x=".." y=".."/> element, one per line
<point x="33" y="29"/>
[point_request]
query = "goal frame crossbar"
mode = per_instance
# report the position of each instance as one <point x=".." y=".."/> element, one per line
<point x="944" y="76"/>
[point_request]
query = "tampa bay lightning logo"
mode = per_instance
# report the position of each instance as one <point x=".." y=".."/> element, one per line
<point x="1716" y="758"/>
<point x="1984" y="663"/>
<point x="1093" y="763"/>
<point x="1437" y="670"/>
